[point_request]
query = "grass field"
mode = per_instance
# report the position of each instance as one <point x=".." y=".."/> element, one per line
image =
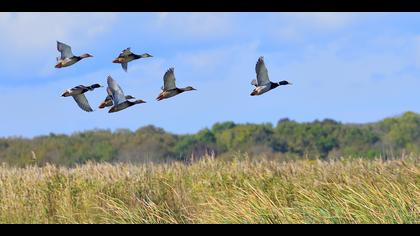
<point x="214" y="191"/>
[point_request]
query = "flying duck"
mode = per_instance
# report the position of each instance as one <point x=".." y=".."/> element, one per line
<point x="169" y="88"/>
<point x="118" y="98"/>
<point x="67" y="58"/>
<point x="78" y="95"/>
<point x="263" y="83"/>
<point x="109" y="103"/>
<point x="126" y="56"/>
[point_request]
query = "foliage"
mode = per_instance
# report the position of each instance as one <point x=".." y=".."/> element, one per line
<point x="326" y="139"/>
<point x="215" y="191"/>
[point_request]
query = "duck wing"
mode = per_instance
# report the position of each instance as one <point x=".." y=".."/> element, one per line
<point x="106" y="102"/>
<point x="125" y="53"/>
<point x="262" y="72"/>
<point x="254" y="82"/>
<point x="108" y="99"/>
<point x="169" y="79"/>
<point x="124" y="65"/>
<point x="65" y="50"/>
<point x="82" y="102"/>
<point x="116" y="91"/>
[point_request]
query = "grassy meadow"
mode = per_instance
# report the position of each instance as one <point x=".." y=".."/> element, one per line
<point x="241" y="190"/>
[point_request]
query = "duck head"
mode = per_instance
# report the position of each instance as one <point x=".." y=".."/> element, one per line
<point x="86" y="55"/>
<point x="145" y="55"/>
<point x="284" y="82"/>
<point x="189" y="88"/>
<point x="94" y="86"/>
<point x="139" y="101"/>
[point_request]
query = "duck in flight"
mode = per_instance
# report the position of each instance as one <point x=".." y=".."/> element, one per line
<point x="262" y="83"/>
<point x="109" y="103"/>
<point x="78" y="95"/>
<point x="67" y="58"/>
<point x="120" y="101"/>
<point x="126" y="56"/>
<point x="169" y="88"/>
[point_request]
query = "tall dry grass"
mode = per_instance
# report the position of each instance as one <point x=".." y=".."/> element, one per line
<point x="214" y="191"/>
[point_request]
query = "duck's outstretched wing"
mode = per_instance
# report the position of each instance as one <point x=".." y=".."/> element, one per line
<point x="262" y="72"/>
<point x="116" y="91"/>
<point x="106" y="102"/>
<point x="169" y="79"/>
<point x="83" y="102"/>
<point x="65" y="50"/>
<point x="124" y="65"/>
<point x="125" y="53"/>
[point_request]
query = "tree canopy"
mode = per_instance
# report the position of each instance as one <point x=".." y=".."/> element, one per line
<point x="287" y="139"/>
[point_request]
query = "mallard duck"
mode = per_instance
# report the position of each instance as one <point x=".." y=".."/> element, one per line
<point x="169" y="88"/>
<point x="78" y="95"/>
<point x="126" y="56"/>
<point x="67" y="58"/>
<point x="263" y="83"/>
<point x="108" y="101"/>
<point x="118" y="98"/>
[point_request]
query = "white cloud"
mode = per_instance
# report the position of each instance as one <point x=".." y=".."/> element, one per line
<point x="296" y="26"/>
<point x="195" y="25"/>
<point x="31" y="34"/>
<point x="324" y="20"/>
<point x="37" y="30"/>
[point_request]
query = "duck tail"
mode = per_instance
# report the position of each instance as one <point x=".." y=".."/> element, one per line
<point x="103" y="105"/>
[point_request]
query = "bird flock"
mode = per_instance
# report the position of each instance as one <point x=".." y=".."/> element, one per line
<point x="118" y="101"/>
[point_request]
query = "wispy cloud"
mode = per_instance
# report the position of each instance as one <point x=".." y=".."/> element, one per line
<point x="195" y="25"/>
<point x="36" y="31"/>
<point x="27" y="36"/>
<point x="353" y="67"/>
<point x="298" y="26"/>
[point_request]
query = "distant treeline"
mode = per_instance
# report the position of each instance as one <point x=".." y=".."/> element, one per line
<point x="288" y="139"/>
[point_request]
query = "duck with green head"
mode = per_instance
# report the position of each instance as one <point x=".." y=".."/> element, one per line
<point x="78" y="94"/>
<point x="262" y="83"/>
<point x="120" y="101"/>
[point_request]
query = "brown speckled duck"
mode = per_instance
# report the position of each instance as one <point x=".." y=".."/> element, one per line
<point x="126" y="56"/>
<point x="67" y="58"/>
<point x="169" y="88"/>
<point x="108" y="100"/>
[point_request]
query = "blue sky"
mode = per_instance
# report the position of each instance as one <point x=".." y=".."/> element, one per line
<point x="351" y="67"/>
